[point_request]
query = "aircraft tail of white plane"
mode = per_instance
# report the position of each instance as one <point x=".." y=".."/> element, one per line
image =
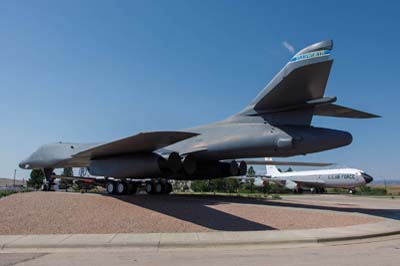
<point x="271" y="170"/>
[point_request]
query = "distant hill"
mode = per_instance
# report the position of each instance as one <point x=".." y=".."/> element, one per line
<point x="9" y="182"/>
<point x="388" y="182"/>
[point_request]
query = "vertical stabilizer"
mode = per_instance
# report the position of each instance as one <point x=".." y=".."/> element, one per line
<point x="271" y="170"/>
<point x="297" y="92"/>
<point x="286" y="98"/>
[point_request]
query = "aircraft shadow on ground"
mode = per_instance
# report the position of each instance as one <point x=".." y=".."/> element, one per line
<point x="384" y="213"/>
<point x="196" y="211"/>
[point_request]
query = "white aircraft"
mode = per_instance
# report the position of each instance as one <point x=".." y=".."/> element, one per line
<point x="317" y="180"/>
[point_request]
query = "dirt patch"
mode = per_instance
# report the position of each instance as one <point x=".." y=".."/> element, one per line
<point x="66" y="213"/>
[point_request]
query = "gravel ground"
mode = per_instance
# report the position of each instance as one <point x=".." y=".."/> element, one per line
<point x="66" y="213"/>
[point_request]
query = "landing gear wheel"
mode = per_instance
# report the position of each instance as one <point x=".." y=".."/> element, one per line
<point x="120" y="188"/>
<point x="168" y="188"/>
<point x="157" y="188"/>
<point x="149" y="188"/>
<point x="110" y="187"/>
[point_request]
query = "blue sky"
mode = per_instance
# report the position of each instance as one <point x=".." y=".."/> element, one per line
<point x="86" y="71"/>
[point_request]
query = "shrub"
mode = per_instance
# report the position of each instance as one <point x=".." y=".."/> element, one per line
<point x="5" y="193"/>
<point x="199" y="185"/>
<point x="367" y="190"/>
<point x="276" y="196"/>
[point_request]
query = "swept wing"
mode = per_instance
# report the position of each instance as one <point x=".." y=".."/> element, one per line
<point x="142" y="142"/>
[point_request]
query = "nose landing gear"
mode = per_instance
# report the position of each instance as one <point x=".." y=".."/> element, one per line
<point x="49" y="181"/>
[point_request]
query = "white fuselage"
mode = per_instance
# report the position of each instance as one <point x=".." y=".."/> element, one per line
<point x="335" y="178"/>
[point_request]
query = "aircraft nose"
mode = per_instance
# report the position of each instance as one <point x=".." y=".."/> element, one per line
<point x="367" y="178"/>
<point x="23" y="164"/>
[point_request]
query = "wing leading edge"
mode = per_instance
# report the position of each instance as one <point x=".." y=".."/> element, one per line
<point x="142" y="142"/>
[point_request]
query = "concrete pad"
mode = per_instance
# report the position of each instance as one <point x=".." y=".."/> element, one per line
<point x="178" y="239"/>
<point x="139" y="240"/>
<point x="355" y="232"/>
<point x="37" y="241"/>
<point x="254" y="238"/>
<point x="86" y="240"/>
<point x="387" y="225"/>
<point x="5" y="239"/>
<point x="331" y="234"/>
<point x="210" y="239"/>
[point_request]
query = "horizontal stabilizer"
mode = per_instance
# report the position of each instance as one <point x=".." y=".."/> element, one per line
<point x="341" y="111"/>
<point x="257" y="162"/>
<point x="142" y="142"/>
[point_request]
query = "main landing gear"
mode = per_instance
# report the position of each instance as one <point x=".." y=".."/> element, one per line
<point x="121" y="187"/>
<point x="318" y="190"/>
<point x="158" y="187"/>
<point x="298" y="191"/>
<point x="155" y="187"/>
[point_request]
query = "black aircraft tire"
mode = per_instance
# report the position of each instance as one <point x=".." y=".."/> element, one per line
<point x="110" y="187"/>
<point x="149" y="188"/>
<point x="120" y="188"/>
<point x="157" y="188"/>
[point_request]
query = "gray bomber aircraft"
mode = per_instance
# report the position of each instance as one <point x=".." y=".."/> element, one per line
<point x="277" y="123"/>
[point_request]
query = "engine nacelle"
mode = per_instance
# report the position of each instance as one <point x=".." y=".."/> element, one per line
<point x="291" y="185"/>
<point x="146" y="165"/>
<point x="216" y="169"/>
<point x="259" y="182"/>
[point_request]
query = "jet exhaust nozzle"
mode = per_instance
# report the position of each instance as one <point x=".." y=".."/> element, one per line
<point x="242" y="168"/>
<point x="234" y="168"/>
<point x="174" y="162"/>
<point x="189" y="165"/>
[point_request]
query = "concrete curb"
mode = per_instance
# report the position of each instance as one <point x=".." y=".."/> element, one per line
<point x="211" y="239"/>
